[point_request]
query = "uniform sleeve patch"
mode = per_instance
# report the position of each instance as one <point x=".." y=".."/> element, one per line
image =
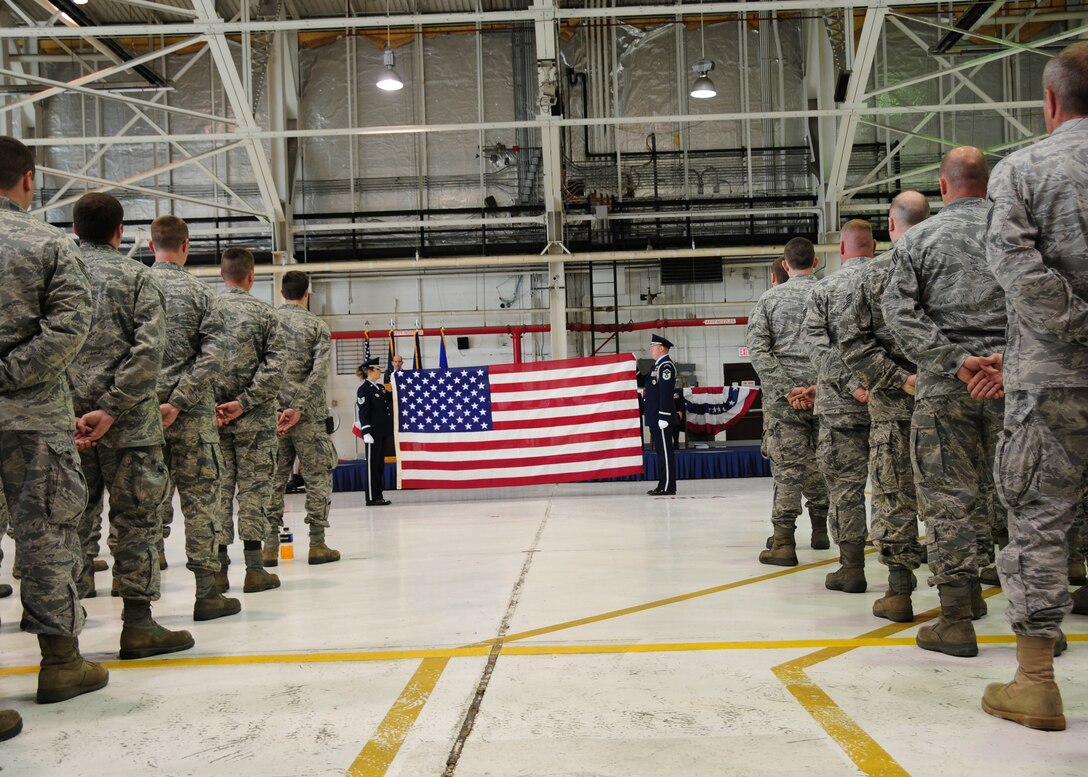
<point x="666" y="373"/>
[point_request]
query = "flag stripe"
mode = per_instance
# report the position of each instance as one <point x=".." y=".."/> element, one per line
<point x="483" y="481"/>
<point x="546" y="384"/>
<point x="548" y="399"/>
<point x="513" y="443"/>
<point x="545" y="423"/>
<point x="593" y="454"/>
<point x="584" y="412"/>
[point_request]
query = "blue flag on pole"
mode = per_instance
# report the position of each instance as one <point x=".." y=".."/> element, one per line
<point x="443" y="363"/>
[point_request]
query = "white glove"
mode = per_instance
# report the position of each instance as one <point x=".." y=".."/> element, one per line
<point x="662" y="424"/>
<point x="368" y="439"/>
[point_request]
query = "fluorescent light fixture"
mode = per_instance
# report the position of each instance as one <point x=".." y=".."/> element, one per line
<point x="390" y="81"/>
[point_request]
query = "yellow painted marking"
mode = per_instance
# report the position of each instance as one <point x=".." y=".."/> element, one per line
<point x="663" y="602"/>
<point x="863" y="750"/>
<point x="380" y="751"/>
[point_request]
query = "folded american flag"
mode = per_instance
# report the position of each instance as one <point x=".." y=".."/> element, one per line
<point x="518" y="424"/>
<point x="713" y="409"/>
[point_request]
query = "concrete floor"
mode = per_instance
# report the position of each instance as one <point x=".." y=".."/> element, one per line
<point x="642" y="639"/>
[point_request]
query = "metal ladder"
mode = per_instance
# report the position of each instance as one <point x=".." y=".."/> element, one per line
<point x="604" y="306"/>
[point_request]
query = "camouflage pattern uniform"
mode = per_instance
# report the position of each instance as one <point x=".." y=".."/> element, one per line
<point x="192" y="358"/>
<point x="307" y="345"/>
<point x="1037" y="249"/>
<point x="870" y="351"/>
<point x="781" y="358"/>
<point x="252" y="373"/>
<point x="843" y="448"/>
<point x="45" y="304"/>
<point x="943" y="305"/>
<point x="116" y="371"/>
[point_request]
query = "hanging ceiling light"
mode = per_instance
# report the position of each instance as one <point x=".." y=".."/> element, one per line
<point x="703" y="86"/>
<point x="389" y="81"/>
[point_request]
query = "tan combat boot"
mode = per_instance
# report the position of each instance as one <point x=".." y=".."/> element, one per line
<point x="64" y="673"/>
<point x="896" y="604"/>
<point x="270" y="555"/>
<point x="210" y="604"/>
<point x="10" y="724"/>
<point x="320" y="553"/>
<point x="256" y="578"/>
<point x="142" y="637"/>
<point x="1032" y="699"/>
<point x="783" y="550"/>
<point x="988" y="576"/>
<point x="850" y="576"/>
<point x="953" y="633"/>
<point x="819" y="540"/>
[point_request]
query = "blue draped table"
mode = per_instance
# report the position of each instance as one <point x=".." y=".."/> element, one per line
<point x="691" y="464"/>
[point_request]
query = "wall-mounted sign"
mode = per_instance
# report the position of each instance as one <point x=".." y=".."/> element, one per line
<point x="743" y="351"/>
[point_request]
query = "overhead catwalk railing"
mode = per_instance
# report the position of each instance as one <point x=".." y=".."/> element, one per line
<point x="516" y="331"/>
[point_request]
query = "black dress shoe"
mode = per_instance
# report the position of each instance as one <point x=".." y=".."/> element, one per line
<point x="655" y="492"/>
<point x="378" y="503"/>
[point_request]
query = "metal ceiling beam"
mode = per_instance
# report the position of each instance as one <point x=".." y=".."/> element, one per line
<point x="868" y="44"/>
<point x="1011" y="51"/>
<point x="98" y="75"/>
<point x="962" y="82"/>
<point x="68" y="87"/>
<point x="896" y="110"/>
<point x="160" y="7"/>
<point x="108" y="185"/>
<point x="209" y="25"/>
<point x="240" y="106"/>
<point x="151" y="174"/>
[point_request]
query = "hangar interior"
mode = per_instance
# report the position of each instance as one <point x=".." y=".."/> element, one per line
<point x="543" y="164"/>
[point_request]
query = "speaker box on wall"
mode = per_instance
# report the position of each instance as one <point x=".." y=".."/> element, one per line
<point x="462" y="343"/>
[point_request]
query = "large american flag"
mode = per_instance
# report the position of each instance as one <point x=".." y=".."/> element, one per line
<point x="518" y="424"/>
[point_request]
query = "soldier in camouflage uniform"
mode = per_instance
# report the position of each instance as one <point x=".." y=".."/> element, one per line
<point x="118" y="428"/>
<point x="45" y="305"/>
<point x="945" y="311"/>
<point x="193" y="355"/>
<point x="868" y="349"/>
<point x="303" y="410"/>
<point x="781" y="358"/>
<point x="1036" y="248"/>
<point x="246" y="393"/>
<point x="843" y="447"/>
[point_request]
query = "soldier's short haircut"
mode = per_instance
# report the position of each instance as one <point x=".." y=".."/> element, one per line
<point x="909" y="208"/>
<point x="778" y="271"/>
<point x="16" y="160"/>
<point x="964" y="167"/>
<point x="800" y="254"/>
<point x="295" y="285"/>
<point x="1066" y="75"/>
<point x="236" y="264"/>
<point x="96" y="217"/>
<point x="169" y="232"/>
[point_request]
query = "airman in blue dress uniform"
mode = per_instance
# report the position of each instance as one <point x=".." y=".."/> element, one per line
<point x="661" y="414"/>
<point x="375" y="408"/>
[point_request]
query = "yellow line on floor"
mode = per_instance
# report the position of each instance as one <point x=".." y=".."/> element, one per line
<point x="481" y="651"/>
<point x="379" y="752"/>
<point x="862" y="749"/>
<point x="662" y="602"/>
